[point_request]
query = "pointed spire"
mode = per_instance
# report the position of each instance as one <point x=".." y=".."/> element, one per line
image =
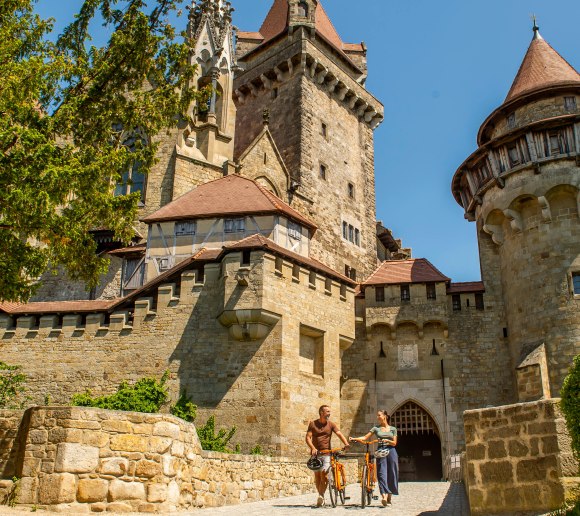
<point x="542" y="67"/>
<point x="536" y="29"/>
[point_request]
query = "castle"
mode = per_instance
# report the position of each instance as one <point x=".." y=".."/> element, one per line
<point x="260" y="278"/>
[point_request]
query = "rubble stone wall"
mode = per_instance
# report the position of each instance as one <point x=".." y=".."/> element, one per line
<point x="519" y="459"/>
<point x="78" y="458"/>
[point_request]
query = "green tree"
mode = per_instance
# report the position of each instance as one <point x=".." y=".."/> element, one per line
<point x="570" y="404"/>
<point x="67" y="110"/>
<point x="11" y="384"/>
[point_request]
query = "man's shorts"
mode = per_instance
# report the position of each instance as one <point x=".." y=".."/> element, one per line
<point x="325" y="462"/>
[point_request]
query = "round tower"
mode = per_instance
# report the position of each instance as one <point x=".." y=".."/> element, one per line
<point x="522" y="188"/>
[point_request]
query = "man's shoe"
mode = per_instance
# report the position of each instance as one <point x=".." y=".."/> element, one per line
<point x="384" y="502"/>
<point x="320" y="501"/>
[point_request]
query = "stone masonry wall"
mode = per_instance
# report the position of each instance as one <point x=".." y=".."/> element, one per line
<point x="84" y="459"/>
<point x="519" y="459"/>
<point x="175" y="327"/>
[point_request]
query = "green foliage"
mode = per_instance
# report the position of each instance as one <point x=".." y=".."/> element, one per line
<point x="570" y="509"/>
<point x="146" y="395"/>
<point x="570" y="404"/>
<point x="184" y="407"/>
<point x="11" y="384"/>
<point x="67" y="111"/>
<point x="256" y="450"/>
<point x="212" y="441"/>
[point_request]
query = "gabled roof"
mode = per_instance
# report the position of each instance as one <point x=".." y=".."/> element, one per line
<point x="277" y="21"/>
<point x="416" y="270"/>
<point x="541" y="68"/>
<point x="231" y="195"/>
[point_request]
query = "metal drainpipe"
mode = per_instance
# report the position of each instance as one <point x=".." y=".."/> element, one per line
<point x="446" y="422"/>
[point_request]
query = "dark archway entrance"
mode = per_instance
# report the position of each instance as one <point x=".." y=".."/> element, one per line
<point x="419" y="445"/>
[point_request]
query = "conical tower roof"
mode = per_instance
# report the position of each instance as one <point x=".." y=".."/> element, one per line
<point x="541" y="68"/>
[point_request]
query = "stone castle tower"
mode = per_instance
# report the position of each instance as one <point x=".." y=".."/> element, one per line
<point x="322" y="120"/>
<point x="522" y="188"/>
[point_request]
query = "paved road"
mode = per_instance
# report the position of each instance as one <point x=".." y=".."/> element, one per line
<point x="415" y="499"/>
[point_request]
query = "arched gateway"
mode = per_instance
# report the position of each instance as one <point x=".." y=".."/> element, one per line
<point x="419" y="445"/>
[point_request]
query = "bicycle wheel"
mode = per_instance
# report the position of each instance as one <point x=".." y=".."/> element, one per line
<point x="342" y="490"/>
<point x="332" y="492"/>
<point x="371" y="483"/>
<point x="363" y="487"/>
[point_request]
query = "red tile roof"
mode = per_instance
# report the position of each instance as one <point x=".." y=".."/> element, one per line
<point x="231" y="195"/>
<point x="203" y="255"/>
<point x="277" y="20"/>
<point x="417" y="270"/>
<point x="465" y="287"/>
<point x="542" y="67"/>
<point x="52" y="307"/>
<point x="249" y="35"/>
<point x="134" y="249"/>
<point x="259" y="241"/>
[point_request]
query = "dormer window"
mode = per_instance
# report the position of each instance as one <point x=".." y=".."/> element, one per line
<point x="303" y="9"/>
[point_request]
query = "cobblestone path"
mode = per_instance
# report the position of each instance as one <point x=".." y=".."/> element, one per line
<point x="415" y="498"/>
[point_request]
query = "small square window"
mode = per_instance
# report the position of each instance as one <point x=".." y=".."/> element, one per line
<point x="479" y="305"/>
<point x="322" y="171"/>
<point x="379" y="294"/>
<point x="570" y="103"/>
<point x="234" y="225"/>
<point x="345" y="230"/>
<point x="576" y="283"/>
<point x="514" y="155"/>
<point x="405" y="293"/>
<point x="456" y="300"/>
<point x="246" y="257"/>
<point x="351" y="190"/>
<point x="186" y="227"/>
<point x="275" y="93"/>
<point x="324" y="130"/>
<point x="352" y="274"/>
<point x="511" y="120"/>
<point x="351" y="233"/>
<point x="431" y="291"/>
<point x="294" y="230"/>
<point x="357" y="237"/>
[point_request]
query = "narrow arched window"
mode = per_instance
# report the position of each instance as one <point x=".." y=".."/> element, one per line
<point x="303" y="9"/>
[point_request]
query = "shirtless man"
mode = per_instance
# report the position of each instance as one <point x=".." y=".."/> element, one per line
<point x="318" y="438"/>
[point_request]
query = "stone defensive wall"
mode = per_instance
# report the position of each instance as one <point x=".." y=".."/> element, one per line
<point x="519" y="459"/>
<point x="221" y="329"/>
<point x="85" y="459"/>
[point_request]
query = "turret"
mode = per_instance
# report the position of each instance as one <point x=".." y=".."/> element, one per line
<point x="322" y="120"/>
<point x="522" y="187"/>
<point x="209" y="137"/>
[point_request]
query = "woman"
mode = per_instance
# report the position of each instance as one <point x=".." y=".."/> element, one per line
<point x="387" y="466"/>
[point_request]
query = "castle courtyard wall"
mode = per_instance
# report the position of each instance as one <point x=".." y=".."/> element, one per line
<point x="519" y="459"/>
<point x="83" y="459"/>
<point x="254" y="383"/>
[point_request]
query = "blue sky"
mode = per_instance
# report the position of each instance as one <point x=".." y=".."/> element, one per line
<point x="439" y="68"/>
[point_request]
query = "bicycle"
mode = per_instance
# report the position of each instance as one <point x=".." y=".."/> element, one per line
<point x="368" y="476"/>
<point x="336" y="477"/>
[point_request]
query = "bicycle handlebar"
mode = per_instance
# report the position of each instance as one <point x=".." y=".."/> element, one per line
<point x="334" y="450"/>
<point x="366" y="442"/>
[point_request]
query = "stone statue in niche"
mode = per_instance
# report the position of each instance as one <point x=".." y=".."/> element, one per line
<point x="408" y="356"/>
